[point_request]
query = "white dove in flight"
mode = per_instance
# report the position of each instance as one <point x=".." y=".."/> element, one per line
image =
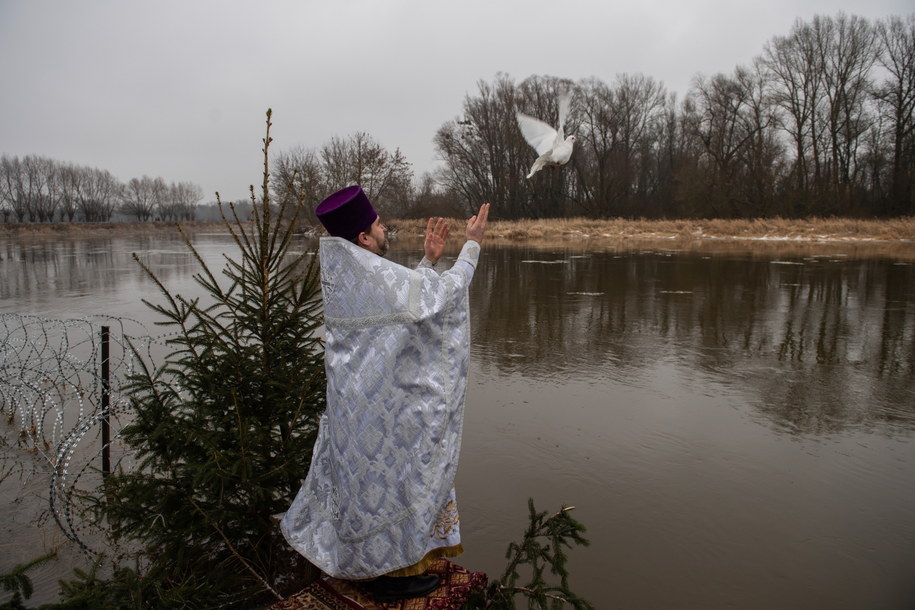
<point x="551" y="144"/>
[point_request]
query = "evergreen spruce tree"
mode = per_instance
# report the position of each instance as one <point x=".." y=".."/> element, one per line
<point x="223" y="432"/>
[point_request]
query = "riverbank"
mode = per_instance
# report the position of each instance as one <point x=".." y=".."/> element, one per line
<point x="91" y="229"/>
<point x="774" y="229"/>
<point x="760" y="229"/>
<point x="767" y="237"/>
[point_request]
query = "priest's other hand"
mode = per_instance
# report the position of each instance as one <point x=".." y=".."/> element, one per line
<point x="436" y="235"/>
<point x="476" y="226"/>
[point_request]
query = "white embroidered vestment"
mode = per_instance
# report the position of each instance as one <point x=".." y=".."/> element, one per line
<point x="396" y="356"/>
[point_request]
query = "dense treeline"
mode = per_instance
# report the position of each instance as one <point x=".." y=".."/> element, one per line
<point x="820" y="124"/>
<point x="38" y="189"/>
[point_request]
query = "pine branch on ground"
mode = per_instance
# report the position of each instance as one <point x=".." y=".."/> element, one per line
<point x="541" y="547"/>
<point x="17" y="581"/>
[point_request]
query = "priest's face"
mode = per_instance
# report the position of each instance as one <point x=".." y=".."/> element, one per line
<point x="375" y="239"/>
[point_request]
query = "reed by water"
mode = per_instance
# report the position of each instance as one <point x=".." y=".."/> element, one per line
<point x="811" y="229"/>
<point x="777" y="237"/>
<point x="808" y="229"/>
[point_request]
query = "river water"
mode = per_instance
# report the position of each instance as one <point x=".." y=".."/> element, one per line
<point x="734" y="425"/>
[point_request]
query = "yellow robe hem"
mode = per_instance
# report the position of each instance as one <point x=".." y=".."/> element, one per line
<point x="423" y="564"/>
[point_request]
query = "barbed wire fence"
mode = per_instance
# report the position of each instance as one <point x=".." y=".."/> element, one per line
<point x="64" y="413"/>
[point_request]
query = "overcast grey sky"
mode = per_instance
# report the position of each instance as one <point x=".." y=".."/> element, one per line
<point x="178" y="89"/>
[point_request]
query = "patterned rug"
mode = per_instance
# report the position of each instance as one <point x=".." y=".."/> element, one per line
<point x="333" y="594"/>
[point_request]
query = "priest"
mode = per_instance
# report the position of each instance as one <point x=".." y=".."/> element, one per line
<point x="378" y="504"/>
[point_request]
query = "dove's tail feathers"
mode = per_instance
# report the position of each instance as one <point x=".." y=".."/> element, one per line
<point x="538" y="165"/>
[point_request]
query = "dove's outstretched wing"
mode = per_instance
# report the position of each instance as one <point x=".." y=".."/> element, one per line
<point x="537" y="133"/>
<point x="565" y="101"/>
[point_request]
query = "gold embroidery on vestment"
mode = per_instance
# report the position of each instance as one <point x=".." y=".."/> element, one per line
<point x="448" y="521"/>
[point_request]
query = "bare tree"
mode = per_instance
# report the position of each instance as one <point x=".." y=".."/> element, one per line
<point x="178" y="201"/>
<point x="297" y="174"/>
<point x="762" y="158"/>
<point x="847" y="46"/>
<point x="358" y="159"/>
<point x="10" y="168"/>
<point x="397" y="195"/>
<point x="715" y="118"/>
<point x="896" y="36"/>
<point x="639" y="101"/>
<point x="796" y="88"/>
<point x="142" y="197"/>
<point x="730" y="118"/>
<point x="668" y="156"/>
<point x="42" y="174"/>
<point x="98" y="194"/>
<point x="167" y="208"/>
<point x="465" y="171"/>
<point x="620" y="129"/>
<point x="595" y="148"/>
<point x="186" y="196"/>
<point x="820" y="79"/>
<point x="29" y="188"/>
<point x="482" y="149"/>
<point x="70" y="177"/>
<point x="431" y="199"/>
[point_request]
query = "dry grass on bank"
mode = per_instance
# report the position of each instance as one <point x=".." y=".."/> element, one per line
<point x="565" y="229"/>
<point x="810" y="229"/>
<point x="75" y="229"/>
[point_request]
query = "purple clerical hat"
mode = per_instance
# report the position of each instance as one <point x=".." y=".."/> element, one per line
<point x="346" y="213"/>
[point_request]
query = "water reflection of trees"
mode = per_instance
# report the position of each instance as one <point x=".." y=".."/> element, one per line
<point x="822" y="343"/>
<point x="44" y="271"/>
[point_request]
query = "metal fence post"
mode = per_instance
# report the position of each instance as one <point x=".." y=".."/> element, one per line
<point x="106" y="399"/>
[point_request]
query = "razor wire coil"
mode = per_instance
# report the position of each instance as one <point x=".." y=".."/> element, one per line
<point x="51" y="398"/>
